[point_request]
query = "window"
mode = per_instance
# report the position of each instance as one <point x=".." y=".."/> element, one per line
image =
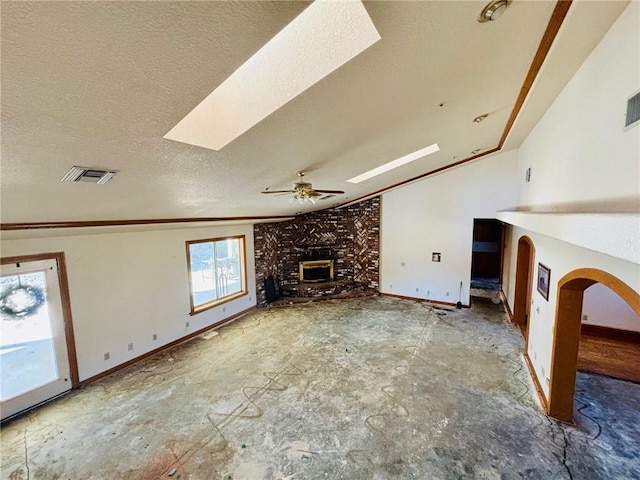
<point x="216" y="271"/>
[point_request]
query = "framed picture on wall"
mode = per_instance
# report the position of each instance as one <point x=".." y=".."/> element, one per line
<point x="544" y="275"/>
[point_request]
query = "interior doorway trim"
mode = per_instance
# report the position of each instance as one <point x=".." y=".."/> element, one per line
<point x="524" y="274"/>
<point x="566" y="335"/>
<point x="65" y="300"/>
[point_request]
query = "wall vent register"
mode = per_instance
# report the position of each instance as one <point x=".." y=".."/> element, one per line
<point x="633" y="111"/>
<point x="88" y="174"/>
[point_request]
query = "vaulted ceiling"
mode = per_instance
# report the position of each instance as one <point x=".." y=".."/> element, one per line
<point x="99" y="84"/>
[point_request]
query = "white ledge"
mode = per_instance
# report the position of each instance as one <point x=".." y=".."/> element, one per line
<point x="614" y="234"/>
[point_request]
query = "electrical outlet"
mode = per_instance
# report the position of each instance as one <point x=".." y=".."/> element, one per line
<point x="155" y="336"/>
<point x="186" y="324"/>
<point x="130" y="347"/>
<point x="224" y="309"/>
<point x="447" y="294"/>
<point x="107" y="356"/>
<point x="249" y="298"/>
<point x="585" y="318"/>
<point x="390" y="286"/>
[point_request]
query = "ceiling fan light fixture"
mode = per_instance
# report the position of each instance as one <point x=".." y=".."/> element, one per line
<point x="301" y="199"/>
<point x="492" y="11"/>
<point x="303" y="192"/>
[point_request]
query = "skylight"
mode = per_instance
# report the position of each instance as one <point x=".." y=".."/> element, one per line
<point x="321" y="39"/>
<point x="395" y="163"/>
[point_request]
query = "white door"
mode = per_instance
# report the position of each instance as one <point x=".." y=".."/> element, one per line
<point x="34" y="362"/>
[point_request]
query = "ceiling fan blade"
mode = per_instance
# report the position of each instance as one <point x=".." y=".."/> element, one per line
<point x="337" y="192"/>
<point x="279" y="191"/>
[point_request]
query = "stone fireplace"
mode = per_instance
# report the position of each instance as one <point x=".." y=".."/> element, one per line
<point x="347" y="238"/>
<point x="315" y="271"/>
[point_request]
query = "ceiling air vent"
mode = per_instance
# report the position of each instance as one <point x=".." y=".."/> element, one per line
<point x="633" y="111"/>
<point x="88" y="174"/>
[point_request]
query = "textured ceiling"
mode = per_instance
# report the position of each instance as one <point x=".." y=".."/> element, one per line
<point x="98" y="84"/>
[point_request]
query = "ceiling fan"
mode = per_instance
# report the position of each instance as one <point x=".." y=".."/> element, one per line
<point x="304" y="192"/>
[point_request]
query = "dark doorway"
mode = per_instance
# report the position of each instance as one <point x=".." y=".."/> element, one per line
<point x="486" y="256"/>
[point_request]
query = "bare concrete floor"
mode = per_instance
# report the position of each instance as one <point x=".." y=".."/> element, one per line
<point x="369" y="388"/>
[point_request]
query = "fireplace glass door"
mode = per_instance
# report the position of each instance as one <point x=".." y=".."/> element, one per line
<point x="316" y="271"/>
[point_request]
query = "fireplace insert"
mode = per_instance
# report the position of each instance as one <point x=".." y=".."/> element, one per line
<point x="316" y="271"/>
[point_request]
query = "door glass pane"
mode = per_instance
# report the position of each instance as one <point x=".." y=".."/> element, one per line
<point x="27" y="353"/>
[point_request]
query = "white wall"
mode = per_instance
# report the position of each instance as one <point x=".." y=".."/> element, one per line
<point x="436" y="215"/>
<point x="581" y="160"/>
<point x="579" y="152"/>
<point x="561" y="258"/>
<point x="124" y="287"/>
<point x="603" y="307"/>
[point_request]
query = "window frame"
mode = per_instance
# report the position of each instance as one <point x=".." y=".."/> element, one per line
<point x="243" y="274"/>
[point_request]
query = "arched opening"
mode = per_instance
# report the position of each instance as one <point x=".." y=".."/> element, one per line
<point x="609" y="337"/>
<point x="524" y="275"/>
<point x="564" y="359"/>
